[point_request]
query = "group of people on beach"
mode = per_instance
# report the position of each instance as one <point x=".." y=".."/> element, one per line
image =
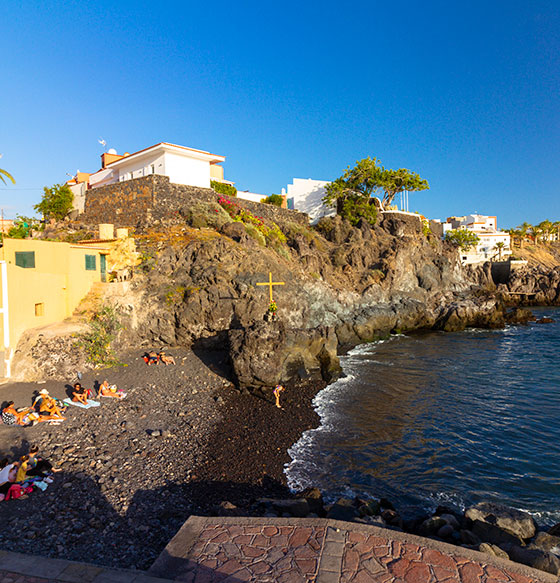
<point x="28" y="473"/>
<point x="153" y="357"/>
<point x="49" y="409"/>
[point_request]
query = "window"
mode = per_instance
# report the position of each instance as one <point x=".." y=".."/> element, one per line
<point x="90" y="263"/>
<point x="25" y="259"/>
<point x="39" y="309"/>
<point x="153" y="169"/>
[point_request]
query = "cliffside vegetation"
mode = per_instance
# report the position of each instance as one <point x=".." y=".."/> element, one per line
<point x="56" y="202"/>
<point x="352" y="192"/>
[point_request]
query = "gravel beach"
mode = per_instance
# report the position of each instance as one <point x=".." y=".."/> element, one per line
<point x="182" y="442"/>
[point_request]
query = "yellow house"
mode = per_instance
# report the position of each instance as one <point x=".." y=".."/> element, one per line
<point x="42" y="282"/>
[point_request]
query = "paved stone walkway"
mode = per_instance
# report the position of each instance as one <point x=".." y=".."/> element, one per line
<point x="284" y="550"/>
<point x="19" y="568"/>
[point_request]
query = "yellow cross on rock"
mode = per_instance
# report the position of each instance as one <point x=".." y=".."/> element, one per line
<point x="270" y="283"/>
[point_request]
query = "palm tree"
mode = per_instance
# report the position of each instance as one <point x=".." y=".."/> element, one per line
<point x="536" y="231"/>
<point x="514" y="234"/>
<point x="546" y="227"/>
<point x="5" y="174"/>
<point x="499" y="246"/>
<point x="523" y="230"/>
<point x="556" y="225"/>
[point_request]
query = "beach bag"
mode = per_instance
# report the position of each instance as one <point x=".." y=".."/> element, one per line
<point x="15" y="491"/>
<point x="8" y="418"/>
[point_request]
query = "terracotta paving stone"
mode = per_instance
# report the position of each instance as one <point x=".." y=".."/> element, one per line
<point x="300" y="537"/>
<point x="418" y="573"/>
<point x="269" y="530"/>
<point x="261" y="541"/>
<point x="294" y="553"/>
<point x="471" y="573"/>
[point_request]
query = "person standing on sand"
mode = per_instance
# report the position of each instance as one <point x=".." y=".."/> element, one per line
<point x="276" y="392"/>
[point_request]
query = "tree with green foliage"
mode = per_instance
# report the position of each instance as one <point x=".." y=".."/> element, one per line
<point x="462" y="238"/>
<point x="351" y="193"/>
<point x="523" y="232"/>
<point x="363" y="181"/>
<point x="5" y="174"/>
<point x="222" y="188"/>
<point x="401" y="180"/>
<point x="56" y="202"/>
<point x="275" y="199"/>
<point x="500" y="247"/>
<point x="22" y="228"/>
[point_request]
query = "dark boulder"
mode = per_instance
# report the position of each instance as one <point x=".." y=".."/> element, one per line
<point x="268" y="353"/>
<point x="514" y="522"/>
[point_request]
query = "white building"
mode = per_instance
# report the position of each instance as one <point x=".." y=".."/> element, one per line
<point x="181" y="164"/>
<point x="486" y="228"/>
<point x="306" y="195"/>
<point x="252" y="196"/>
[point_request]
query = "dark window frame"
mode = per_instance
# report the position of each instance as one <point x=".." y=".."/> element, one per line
<point x="91" y="262"/>
<point x="25" y="259"/>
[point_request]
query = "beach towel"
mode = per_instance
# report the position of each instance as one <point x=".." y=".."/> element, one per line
<point x="117" y="395"/>
<point x="76" y="404"/>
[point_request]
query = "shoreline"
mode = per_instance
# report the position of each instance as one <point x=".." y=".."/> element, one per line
<point x="124" y="492"/>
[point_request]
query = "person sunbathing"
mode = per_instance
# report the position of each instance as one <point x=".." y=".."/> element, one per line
<point x="106" y="390"/>
<point x="166" y="359"/>
<point x="48" y="407"/>
<point x="80" y="394"/>
<point x="151" y="358"/>
<point x="24" y="416"/>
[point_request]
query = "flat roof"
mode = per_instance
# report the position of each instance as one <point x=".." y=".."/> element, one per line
<point x="216" y="157"/>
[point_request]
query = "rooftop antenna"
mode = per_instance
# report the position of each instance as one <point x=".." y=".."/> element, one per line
<point x="103" y="143"/>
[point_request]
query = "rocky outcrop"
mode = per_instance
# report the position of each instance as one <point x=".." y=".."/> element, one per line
<point x="267" y="353"/>
<point x="515" y="522"/>
<point x="346" y="284"/>
<point x="538" y="282"/>
<point x="49" y="352"/>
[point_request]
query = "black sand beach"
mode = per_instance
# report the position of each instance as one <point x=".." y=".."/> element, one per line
<point x="125" y="490"/>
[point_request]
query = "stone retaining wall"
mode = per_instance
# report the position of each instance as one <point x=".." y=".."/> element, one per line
<point x="142" y="201"/>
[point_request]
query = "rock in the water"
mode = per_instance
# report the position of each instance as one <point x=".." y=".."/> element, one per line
<point x="431" y="526"/>
<point x="297" y="507"/>
<point x="534" y="558"/>
<point x="546" y="542"/>
<point x="343" y="509"/>
<point x="493" y="550"/>
<point x="314" y="499"/>
<point x="512" y="521"/>
<point x="445" y="531"/>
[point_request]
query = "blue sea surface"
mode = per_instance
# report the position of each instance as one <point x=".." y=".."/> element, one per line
<point x="442" y="418"/>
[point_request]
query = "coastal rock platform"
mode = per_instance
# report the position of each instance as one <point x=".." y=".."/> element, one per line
<point x="304" y="550"/>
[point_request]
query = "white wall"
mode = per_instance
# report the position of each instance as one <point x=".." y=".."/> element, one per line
<point x="139" y="167"/>
<point x="79" y="191"/>
<point x="252" y="196"/>
<point x="307" y="195"/>
<point x="183" y="170"/>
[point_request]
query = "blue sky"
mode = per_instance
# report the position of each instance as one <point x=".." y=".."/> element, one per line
<point x="467" y="94"/>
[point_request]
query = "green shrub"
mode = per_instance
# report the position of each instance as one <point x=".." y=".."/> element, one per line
<point x="96" y="342"/>
<point x="252" y="231"/>
<point x="274" y="199"/>
<point x="23" y="228"/>
<point x="356" y="207"/>
<point x="222" y="188"/>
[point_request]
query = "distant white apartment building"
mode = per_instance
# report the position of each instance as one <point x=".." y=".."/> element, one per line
<point x="486" y="228"/>
<point x="306" y="195"/>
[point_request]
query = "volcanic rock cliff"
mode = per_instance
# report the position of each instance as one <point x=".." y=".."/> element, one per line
<point x="343" y="285"/>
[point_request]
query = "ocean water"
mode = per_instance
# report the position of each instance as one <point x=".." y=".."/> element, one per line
<point x="442" y="418"/>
